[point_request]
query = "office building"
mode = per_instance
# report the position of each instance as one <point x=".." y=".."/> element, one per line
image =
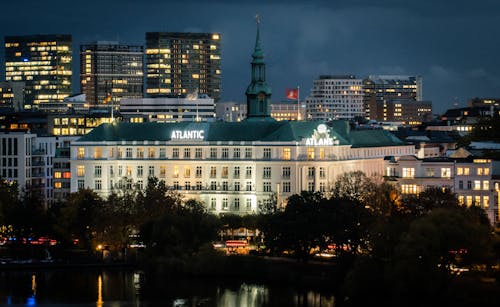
<point x="382" y="89"/>
<point x="110" y="71"/>
<point x="43" y="62"/>
<point x="405" y="112"/>
<point x="335" y="97"/>
<point x="198" y="108"/>
<point x="12" y="95"/>
<point x="183" y="63"/>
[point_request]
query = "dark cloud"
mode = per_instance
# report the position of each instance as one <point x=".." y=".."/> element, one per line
<point x="452" y="45"/>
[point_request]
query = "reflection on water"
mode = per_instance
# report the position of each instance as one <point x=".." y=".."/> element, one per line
<point x="116" y="288"/>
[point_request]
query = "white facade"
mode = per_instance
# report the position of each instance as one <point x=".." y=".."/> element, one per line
<point x="227" y="176"/>
<point x="335" y="97"/>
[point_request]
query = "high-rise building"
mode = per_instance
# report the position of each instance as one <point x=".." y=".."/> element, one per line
<point x="12" y="95"/>
<point x="178" y="64"/>
<point x="335" y="97"/>
<point x="110" y="71"/>
<point x="380" y="89"/>
<point x="43" y="62"/>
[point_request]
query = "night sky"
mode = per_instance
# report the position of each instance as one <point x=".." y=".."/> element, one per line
<point x="453" y="45"/>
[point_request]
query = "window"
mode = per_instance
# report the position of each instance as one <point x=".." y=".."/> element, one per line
<point x="266" y="173"/>
<point x="151" y="171"/>
<point x="225" y="186"/>
<point x="175" y="153"/>
<point x="176" y="185"/>
<point x="408" y="172"/>
<point x="286" y="187"/>
<point x="477" y="184"/>
<point x="267" y="153"/>
<point x="466" y="171"/>
<point x="140" y="153"/>
<point x="479" y="171"/>
<point x="310" y="172"/>
<point x="286" y="154"/>
<point x="80" y="170"/>
<point x="224" y="204"/>
<point x="140" y="184"/>
<point x="81" y="184"/>
<point x="225" y="172"/>
<point x="486" y="201"/>
<point x="213" y="171"/>
<point x="236" y="153"/>
<point x="163" y="171"/>
<point x="128" y="153"/>
<point x="213" y="153"/>
<point x="187" y="172"/>
<point x="213" y="203"/>
<point x="163" y="153"/>
<point x="248" y="172"/>
<point x="409" y="189"/>
<point x="468" y="200"/>
<point x="322" y="187"/>
<point x="322" y="154"/>
<point x="57" y="185"/>
<point x="248" y="153"/>
<point x="285" y="172"/>
<point x="97" y="171"/>
<point x="249" y="204"/>
<point x="198" y="172"/>
<point x="236" y="204"/>
<point x="120" y="170"/>
<point x="237" y="186"/>
<point x="97" y="153"/>
<point x="322" y="173"/>
<point x="430" y="172"/>
<point x="199" y="185"/>
<point x="267" y="187"/>
<point x="477" y="200"/>
<point x="213" y="185"/>
<point x="198" y="153"/>
<point x="310" y="153"/>
<point x="129" y="171"/>
<point x="57" y="175"/>
<point x="81" y="152"/>
<point x="445" y="172"/>
<point x="486" y="171"/>
<point x="225" y="153"/>
<point x="248" y="186"/>
<point x="187" y="153"/>
<point x="310" y="186"/>
<point x="139" y="171"/>
<point x="187" y="185"/>
<point x="469" y="185"/>
<point x="461" y="185"/>
<point x="460" y="171"/>
<point x="461" y="199"/>
<point x="236" y="172"/>
<point x="486" y="185"/>
<point x="120" y="153"/>
<point x="98" y="185"/>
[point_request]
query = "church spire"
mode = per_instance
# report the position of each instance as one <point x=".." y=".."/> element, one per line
<point x="258" y="92"/>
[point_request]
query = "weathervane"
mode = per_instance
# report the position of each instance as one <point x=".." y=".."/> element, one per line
<point x="257" y="18"/>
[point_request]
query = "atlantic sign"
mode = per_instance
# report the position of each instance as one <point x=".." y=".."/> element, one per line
<point x="321" y="137"/>
<point x="187" y="135"/>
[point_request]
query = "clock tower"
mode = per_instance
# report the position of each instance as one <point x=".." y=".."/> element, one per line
<point x="258" y="92"/>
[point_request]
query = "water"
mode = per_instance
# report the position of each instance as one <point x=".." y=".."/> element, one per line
<point x="117" y="288"/>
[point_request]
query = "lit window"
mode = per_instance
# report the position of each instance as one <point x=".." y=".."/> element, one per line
<point x="408" y="172"/>
<point x="80" y="170"/>
<point x="286" y="153"/>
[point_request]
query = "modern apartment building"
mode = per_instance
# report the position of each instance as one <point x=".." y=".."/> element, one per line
<point x="110" y="71"/>
<point x="335" y="97"/>
<point x="43" y="62"/>
<point x="182" y="63"/>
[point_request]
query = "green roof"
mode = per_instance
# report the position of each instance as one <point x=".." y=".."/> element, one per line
<point x="248" y="131"/>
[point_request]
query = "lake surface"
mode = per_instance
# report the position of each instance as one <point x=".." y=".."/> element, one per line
<point x="117" y="288"/>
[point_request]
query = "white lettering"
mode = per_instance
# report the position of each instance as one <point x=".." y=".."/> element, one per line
<point x="187" y="135"/>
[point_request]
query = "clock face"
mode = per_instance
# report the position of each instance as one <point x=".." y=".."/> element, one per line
<point x="261" y="96"/>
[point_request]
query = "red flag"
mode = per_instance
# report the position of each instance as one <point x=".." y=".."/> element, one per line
<point x="292" y="93"/>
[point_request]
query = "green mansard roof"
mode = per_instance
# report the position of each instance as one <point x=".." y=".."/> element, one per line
<point x="247" y="131"/>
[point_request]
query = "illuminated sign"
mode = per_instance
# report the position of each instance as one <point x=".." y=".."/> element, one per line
<point x="321" y="137"/>
<point x="187" y="135"/>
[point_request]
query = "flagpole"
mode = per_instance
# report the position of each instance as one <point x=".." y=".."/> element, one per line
<point x="298" y="102"/>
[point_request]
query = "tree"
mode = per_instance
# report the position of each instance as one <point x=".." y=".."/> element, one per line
<point x="431" y="198"/>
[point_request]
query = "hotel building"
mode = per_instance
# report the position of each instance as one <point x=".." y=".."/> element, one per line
<point x="231" y="166"/>
<point x="43" y="62"/>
